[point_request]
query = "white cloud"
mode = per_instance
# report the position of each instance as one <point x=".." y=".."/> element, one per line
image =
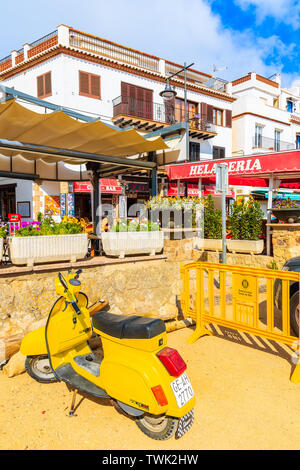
<point x="192" y="34"/>
<point x="177" y="30"/>
<point x="283" y="11"/>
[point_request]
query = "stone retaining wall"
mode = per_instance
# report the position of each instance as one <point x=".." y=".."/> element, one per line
<point x="182" y="250"/>
<point x="146" y="288"/>
<point x="286" y="242"/>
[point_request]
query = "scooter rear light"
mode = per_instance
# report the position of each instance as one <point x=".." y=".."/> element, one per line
<point x="172" y="361"/>
<point x="159" y="395"/>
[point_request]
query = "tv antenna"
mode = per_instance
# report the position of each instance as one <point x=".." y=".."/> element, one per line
<point x="216" y="69"/>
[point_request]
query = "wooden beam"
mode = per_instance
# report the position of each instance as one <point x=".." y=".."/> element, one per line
<point x="118" y="121"/>
<point x="143" y="125"/>
<point x="126" y="123"/>
<point x="150" y="127"/>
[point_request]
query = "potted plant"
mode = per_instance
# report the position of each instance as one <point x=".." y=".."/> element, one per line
<point x="286" y="210"/>
<point x="45" y="240"/>
<point x="174" y="212"/>
<point x="245" y="224"/>
<point x="212" y="240"/>
<point x="133" y="237"/>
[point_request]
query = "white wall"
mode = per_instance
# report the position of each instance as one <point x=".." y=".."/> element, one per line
<point x="65" y="92"/>
<point x="23" y="191"/>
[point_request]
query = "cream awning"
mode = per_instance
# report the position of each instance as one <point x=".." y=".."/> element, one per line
<point x="57" y="129"/>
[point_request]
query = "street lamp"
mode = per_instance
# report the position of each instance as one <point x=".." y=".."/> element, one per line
<point x="168" y="93"/>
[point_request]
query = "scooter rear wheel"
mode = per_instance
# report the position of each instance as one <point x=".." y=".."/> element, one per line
<point x="160" y="428"/>
<point x="38" y="367"/>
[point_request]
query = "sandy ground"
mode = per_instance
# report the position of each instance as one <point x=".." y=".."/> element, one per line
<point x="244" y="401"/>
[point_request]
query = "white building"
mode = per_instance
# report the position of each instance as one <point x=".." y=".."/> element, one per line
<point x="265" y="116"/>
<point x="120" y="86"/>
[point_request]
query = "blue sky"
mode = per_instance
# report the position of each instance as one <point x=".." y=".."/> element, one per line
<point x="238" y="36"/>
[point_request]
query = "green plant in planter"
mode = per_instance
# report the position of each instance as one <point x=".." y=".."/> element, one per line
<point x="212" y="219"/>
<point x="47" y="226"/>
<point x="284" y="204"/>
<point x="135" y="226"/>
<point x="245" y="220"/>
<point x="3" y="230"/>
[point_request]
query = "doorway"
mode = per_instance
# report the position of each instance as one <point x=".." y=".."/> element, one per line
<point x="7" y="200"/>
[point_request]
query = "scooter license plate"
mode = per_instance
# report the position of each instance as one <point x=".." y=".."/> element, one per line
<point x="182" y="390"/>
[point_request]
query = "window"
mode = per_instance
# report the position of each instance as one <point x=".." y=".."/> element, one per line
<point x="44" y="85"/>
<point x="297" y="141"/>
<point x="277" y="140"/>
<point x="258" y="136"/>
<point x="218" y="117"/>
<point x="192" y="110"/>
<point x="289" y="106"/>
<point x="218" y="152"/>
<point x="89" y="85"/>
<point x="194" y="151"/>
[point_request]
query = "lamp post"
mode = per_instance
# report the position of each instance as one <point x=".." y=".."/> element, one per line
<point x="168" y="93"/>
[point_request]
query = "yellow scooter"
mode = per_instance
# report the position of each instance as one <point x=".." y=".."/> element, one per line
<point x="139" y="372"/>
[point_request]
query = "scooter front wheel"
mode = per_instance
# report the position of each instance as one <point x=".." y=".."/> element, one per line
<point x="158" y="427"/>
<point x="38" y="367"/>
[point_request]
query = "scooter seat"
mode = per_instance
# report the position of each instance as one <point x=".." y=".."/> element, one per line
<point x="131" y="327"/>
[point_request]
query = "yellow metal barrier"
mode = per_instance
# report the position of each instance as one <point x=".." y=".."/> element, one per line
<point x="237" y="303"/>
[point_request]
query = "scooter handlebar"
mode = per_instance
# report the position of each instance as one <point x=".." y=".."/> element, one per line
<point x="62" y="281"/>
<point x="65" y="285"/>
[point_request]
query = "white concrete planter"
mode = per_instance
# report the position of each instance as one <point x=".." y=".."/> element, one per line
<point x="47" y="248"/>
<point x="245" y="246"/>
<point x="208" y="244"/>
<point x="132" y="243"/>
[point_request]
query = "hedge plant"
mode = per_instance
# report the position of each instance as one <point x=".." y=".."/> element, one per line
<point x="245" y="220"/>
<point x="212" y="219"/>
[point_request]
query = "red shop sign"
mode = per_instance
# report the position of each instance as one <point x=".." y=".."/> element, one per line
<point x="108" y="186"/>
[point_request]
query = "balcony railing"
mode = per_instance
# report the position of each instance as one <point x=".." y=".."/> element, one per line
<point x="113" y="51"/>
<point x="164" y="113"/>
<point x="267" y="143"/>
<point x="217" y="84"/>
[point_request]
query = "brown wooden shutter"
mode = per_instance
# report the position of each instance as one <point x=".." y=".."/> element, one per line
<point x="84" y="83"/>
<point x="228" y="118"/>
<point x="210" y="113"/>
<point x="124" y="98"/>
<point x="95" y="86"/>
<point x="148" y="97"/>
<point x="40" y="86"/>
<point x="140" y="108"/>
<point x="124" y="90"/>
<point x="48" y="84"/>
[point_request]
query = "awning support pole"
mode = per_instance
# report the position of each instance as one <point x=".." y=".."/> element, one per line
<point x="96" y="200"/>
<point x="200" y="213"/>
<point x="154" y="183"/>
<point x="269" y="213"/>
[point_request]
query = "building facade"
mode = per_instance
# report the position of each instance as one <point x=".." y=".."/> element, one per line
<point x="265" y="116"/>
<point x="122" y="87"/>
